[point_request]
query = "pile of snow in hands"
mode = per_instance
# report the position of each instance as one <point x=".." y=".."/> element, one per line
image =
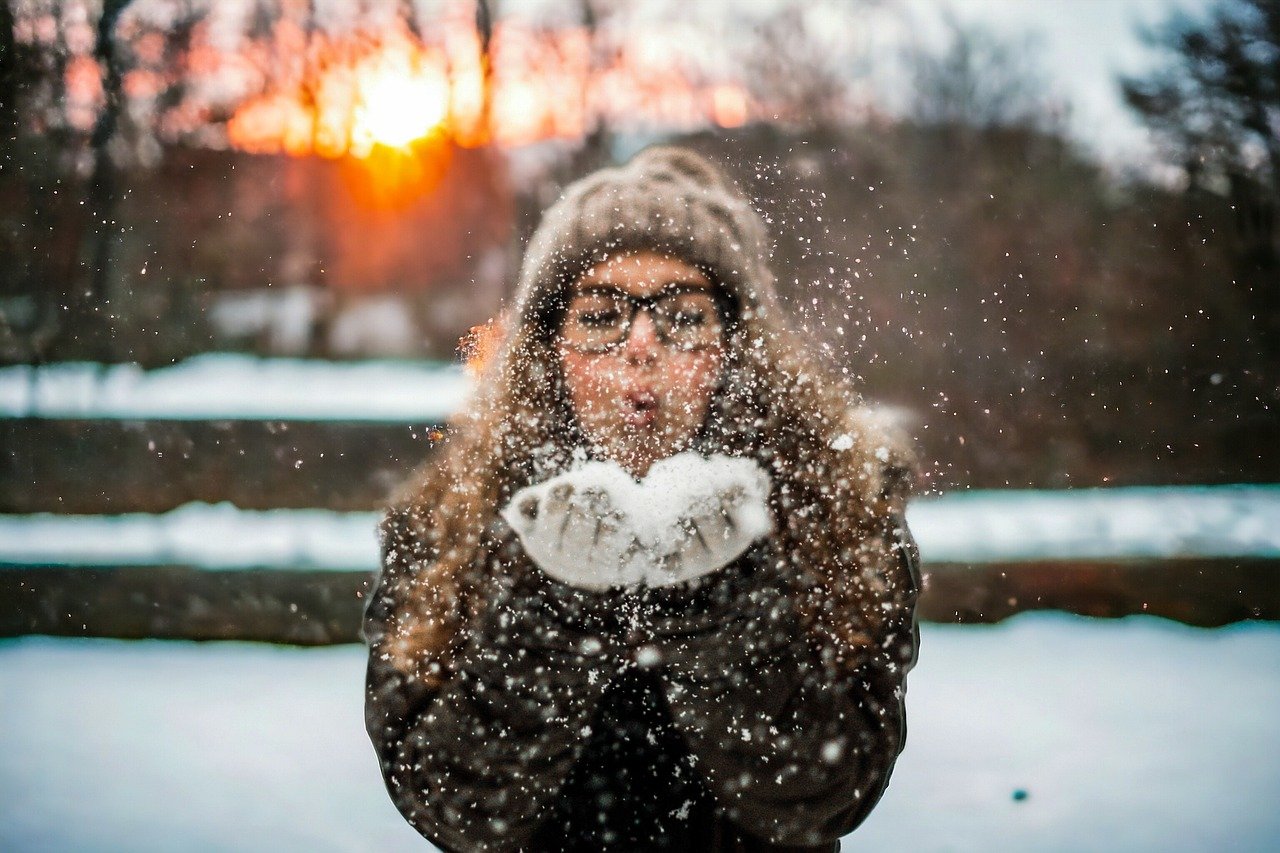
<point x="595" y="527"/>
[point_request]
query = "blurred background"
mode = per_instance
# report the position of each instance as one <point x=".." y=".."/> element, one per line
<point x="246" y="247"/>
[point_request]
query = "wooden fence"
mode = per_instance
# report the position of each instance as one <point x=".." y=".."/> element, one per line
<point x="108" y="466"/>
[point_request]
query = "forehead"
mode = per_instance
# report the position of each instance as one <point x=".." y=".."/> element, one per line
<point x="643" y="273"/>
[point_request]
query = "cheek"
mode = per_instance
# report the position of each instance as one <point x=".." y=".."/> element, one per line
<point x="587" y="381"/>
<point x="691" y="379"/>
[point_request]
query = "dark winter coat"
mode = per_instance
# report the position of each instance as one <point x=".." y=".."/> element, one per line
<point x="714" y="676"/>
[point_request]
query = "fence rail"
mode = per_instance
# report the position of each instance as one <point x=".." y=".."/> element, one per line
<point x="235" y="498"/>
<point x="324" y="607"/>
<point x="1212" y="522"/>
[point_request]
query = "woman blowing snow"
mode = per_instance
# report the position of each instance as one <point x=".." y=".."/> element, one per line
<point x="655" y="591"/>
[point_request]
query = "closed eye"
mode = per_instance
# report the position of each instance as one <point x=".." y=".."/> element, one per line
<point x="598" y="319"/>
<point x="689" y="319"/>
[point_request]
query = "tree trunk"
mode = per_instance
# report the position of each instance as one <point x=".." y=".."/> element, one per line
<point x="87" y="327"/>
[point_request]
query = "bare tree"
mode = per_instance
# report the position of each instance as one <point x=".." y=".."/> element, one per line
<point x="102" y="184"/>
<point x="1215" y="104"/>
<point x="797" y="79"/>
<point x="979" y="80"/>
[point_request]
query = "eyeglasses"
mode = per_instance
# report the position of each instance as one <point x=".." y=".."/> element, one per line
<point x="685" y="317"/>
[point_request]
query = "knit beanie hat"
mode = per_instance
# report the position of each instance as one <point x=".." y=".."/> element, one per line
<point x="665" y="199"/>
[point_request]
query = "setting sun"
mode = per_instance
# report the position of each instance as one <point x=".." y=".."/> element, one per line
<point x="391" y="94"/>
<point x="398" y="103"/>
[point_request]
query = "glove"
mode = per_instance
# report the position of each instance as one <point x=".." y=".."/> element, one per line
<point x="595" y="527"/>
<point x="572" y="529"/>
<point x="715" y="508"/>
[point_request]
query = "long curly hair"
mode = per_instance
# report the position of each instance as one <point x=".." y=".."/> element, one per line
<point x="776" y="402"/>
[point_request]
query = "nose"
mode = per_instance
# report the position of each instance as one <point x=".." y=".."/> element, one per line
<point x="642" y="339"/>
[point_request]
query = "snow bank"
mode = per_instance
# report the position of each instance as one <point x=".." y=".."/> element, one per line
<point x="977" y="527"/>
<point x="226" y="386"/>
<point x="1104" y="726"/>
<point x="1148" y="522"/>
<point x="209" y="536"/>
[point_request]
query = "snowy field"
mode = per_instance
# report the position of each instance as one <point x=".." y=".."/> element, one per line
<point x="976" y="527"/>
<point x="227" y="386"/>
<point x="1129" y="735"/>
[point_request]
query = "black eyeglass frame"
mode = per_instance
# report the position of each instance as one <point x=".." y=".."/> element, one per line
<point x="724" y="312"/>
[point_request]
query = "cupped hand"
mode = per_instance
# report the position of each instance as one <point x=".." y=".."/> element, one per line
<point x="596" y="528"/>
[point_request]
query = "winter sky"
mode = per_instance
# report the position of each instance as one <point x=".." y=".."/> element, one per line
<point x="1081" y="45"/>
<point x="1078" y="46"/>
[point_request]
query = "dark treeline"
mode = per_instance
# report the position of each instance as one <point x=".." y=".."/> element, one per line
<point x="205" y="229"/>
<point x="1044" y="326"/>
<point x="1043" y="322"/>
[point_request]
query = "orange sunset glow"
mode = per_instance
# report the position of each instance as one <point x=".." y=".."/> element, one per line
<point x="352" y="98"/>
<point x="366" y="92"/>
<point x="397" y="105"/>
<point x="383" y="85"/>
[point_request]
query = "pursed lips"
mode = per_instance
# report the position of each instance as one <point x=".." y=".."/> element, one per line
<point x="640" y="407"/>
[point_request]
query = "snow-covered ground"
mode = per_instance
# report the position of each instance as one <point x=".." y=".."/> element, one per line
<point x="211" y="536"/>
<point x="1129" y="735"/>
<point x="1145" y="521"/>
<point x="231" y="386"/>
<point x="1218" y="521"/>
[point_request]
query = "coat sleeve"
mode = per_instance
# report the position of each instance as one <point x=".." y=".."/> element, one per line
<point x="878" y="686"/>
<point x="396" y="697"/>
<point x="474" y="745"/>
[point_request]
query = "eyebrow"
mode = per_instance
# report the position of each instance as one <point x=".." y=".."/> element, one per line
<point x="674" y="285"/>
